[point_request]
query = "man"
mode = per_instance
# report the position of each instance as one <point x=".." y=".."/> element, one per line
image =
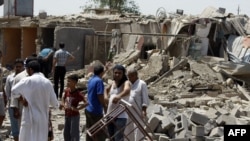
<point x="94" y="111"/>
<point x="120" y="89"/>
<point x="61" y="57"/>
<point x="45" y="58"/>
<point x="140" y="101"/>
<point x="18" y="67"/>
<point x="16" y="103"/>
<point x="38" y="94"/>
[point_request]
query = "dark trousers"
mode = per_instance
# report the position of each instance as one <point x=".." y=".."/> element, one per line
<point x="116" y="129"/>
<point x="59" y="75"/>
<point x="71" y="128"/>
<point x="45" y="66"/>
<point x="91" y="119"/>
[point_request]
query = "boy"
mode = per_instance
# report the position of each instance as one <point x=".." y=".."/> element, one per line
<point x="70" y="103"/>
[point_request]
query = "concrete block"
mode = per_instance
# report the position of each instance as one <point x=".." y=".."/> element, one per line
<point x="217" y="132"/>
<point x="225" y="120"/>
<point x="164" y="138"/>
<point x="167" y="123"/>
<point x="181" y="122"/>
<point x="198" y="131"/>
<point x="153" y="122"/>
<point x="199" y="118"/>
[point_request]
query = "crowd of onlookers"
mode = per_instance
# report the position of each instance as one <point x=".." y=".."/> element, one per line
<point x="28" y="95"/>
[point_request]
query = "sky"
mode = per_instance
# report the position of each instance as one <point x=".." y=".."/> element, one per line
<point x="147" y="7"/>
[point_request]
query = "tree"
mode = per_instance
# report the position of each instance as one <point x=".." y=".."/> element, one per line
<point x="120" y="5"/>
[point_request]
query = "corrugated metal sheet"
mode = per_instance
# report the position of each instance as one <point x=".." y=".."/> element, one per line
<point x="211" y="12"/>
<point x="238" y="24"/>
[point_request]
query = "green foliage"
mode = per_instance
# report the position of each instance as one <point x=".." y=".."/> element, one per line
<point x="121" y="5"/>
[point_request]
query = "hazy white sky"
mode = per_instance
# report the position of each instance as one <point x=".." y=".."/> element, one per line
<point x="64" y="7"/>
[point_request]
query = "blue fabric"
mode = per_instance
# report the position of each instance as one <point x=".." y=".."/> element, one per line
<point x="95" y="88"/>
<point x="116" y="129"/>
<point x="44" y="52"/>
<point x="13" y="123"/>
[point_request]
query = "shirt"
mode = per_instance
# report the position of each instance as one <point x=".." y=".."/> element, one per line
<point x="95" y="88"/>
<point x="45" y="52"/>
<point x="111" y="106"/>
<point x="8" y="85"/>
<point x="72" y="99"/>
<point x="39" y="93"/>
<point x="139" y="95"/>
<point x="62" y="56"/>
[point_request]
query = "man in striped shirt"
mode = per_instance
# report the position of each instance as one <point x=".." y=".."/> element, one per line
<point x="61" y="57"/>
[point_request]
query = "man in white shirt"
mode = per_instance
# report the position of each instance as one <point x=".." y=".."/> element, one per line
<point x="140" y="101"/>
<point x="38" y="94"/>
<point x="19" y="67"/>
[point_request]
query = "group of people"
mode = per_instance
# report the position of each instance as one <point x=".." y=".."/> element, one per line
<point x="31" y="95"/>
<point x="126" y="85"/>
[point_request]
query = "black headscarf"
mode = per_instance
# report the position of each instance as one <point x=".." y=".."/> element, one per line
<point x="124" y="77"/>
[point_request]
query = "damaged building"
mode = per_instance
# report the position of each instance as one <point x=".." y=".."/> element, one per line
<point x="196" y="67"/>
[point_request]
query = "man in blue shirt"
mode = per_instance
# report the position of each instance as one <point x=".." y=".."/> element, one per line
<point x="94" y="111"/>
<point x="45" y="58"/>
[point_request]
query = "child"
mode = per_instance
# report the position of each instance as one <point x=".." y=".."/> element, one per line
<point x="70" y="103"/>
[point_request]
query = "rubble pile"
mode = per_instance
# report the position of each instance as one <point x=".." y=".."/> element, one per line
<point x="189" y="99"/>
